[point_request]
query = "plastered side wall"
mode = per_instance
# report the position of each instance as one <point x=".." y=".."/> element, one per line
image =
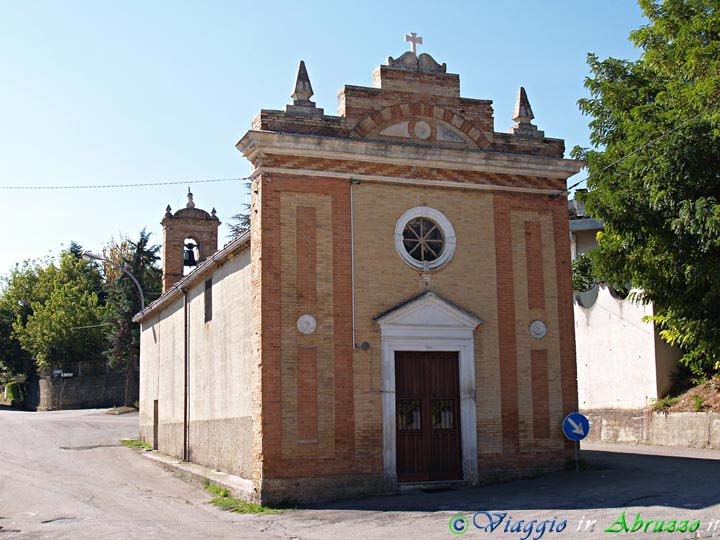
<point x="221" y="372"/>
<point x="162" y="378"/>
<point x="584" y="241"/>
<point x="616" y="354"/>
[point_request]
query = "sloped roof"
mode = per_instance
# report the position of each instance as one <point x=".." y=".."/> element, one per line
<point x="196" y="275"/>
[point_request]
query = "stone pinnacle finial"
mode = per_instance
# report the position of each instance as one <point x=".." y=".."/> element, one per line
<point x="303" y="89"/>
<point x="190" y="202"/>
<point x="168" y="211"/>
<point x="523" y="115"/>
<point x="523" y="112"/>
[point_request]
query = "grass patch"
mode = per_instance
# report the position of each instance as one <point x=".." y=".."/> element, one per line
<point x="223" y="500"/>
<point x="698" y="403"/>
<point x="663" y="404"/>
<point x="136" y="443"/>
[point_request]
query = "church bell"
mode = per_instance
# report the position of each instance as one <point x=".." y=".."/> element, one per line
<point x="189" y="255"/>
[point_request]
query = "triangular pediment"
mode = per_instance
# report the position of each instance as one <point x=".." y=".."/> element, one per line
<point x="428" y="310"/>
<point x="423" y="130"/>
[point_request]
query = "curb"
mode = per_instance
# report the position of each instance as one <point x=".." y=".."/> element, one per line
<point x="239" y="487"/>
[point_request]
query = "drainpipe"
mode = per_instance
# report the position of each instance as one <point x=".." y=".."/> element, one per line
<point x="186" y="358"/>
<point x="352" y="256"/>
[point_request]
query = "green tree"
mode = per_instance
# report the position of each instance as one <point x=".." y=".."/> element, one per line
<point x="655" y="172"/>
<point x="17" y="290"/>
<point x="140" y="259"/>
<point x="65" y="328"/>
<point x="582" y="273"/>
<point x="240" y="222"/>
<point x="63" y="297"/>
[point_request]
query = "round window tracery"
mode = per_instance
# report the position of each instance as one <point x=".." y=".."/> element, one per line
<point x="424" y="238"/>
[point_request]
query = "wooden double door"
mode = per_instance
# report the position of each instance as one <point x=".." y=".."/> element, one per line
<point x="427" y="389"/>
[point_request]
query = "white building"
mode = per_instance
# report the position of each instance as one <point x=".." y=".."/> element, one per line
<point x="622" y="363"/>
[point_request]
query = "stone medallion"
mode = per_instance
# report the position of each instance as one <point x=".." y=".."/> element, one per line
<point x="538" y="329"/>
<point x="422" y="130"/>
<point x="306" y="324"/>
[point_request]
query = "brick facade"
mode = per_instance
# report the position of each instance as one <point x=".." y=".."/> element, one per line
<point x="511" y="267"/>
<point x="327" y="193"/>
<point x="186" y="223"/>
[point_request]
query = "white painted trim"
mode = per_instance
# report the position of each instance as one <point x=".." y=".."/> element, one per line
<point x="398" y="180"/>
<point x="445" y="227"/>
<point x="401" y="331"/>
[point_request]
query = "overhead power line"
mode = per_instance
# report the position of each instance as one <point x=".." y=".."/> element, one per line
<point x="111" y="186"/>
<point x="640" y="148"/>
<point x="90" y="326"/>
<point x="215" y="180"/>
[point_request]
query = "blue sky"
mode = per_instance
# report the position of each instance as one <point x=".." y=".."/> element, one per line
<point x="95" y="92"/>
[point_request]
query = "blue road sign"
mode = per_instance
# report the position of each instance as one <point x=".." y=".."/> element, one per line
<point x="576" y="426"/>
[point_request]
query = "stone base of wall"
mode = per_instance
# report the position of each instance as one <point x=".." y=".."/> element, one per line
<point x="224" y="444"/>
<point x="686" y="429"/>
<point x="492" y="470"/>
<point x="170" y="438"/>
<point x="507" y="468"/>
<point x="86" y="392"/>
<point x="317" y="489"/>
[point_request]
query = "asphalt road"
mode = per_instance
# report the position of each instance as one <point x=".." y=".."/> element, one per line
<point x="65" y="475"/>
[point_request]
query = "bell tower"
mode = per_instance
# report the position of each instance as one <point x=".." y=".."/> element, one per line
<point x="190" y="236"/>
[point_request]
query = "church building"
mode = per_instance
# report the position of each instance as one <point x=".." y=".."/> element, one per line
<point x="399" y="312"/>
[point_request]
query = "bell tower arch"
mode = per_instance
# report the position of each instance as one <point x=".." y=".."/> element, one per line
<point x="177" y="252"/>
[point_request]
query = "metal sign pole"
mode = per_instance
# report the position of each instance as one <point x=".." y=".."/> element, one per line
<point x="577" y="456"/>
<point x="576" y="427"/>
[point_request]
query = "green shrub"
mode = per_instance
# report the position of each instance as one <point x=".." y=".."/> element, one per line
<point x="663" y="404"/>
<point x="15" y="392"/>
<point x="698" y="403"/>
<point x="583" y="278"/>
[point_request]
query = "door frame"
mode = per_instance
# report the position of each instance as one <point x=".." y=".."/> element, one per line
<point x="429" y="323"/>
<point x="426" y="412"/>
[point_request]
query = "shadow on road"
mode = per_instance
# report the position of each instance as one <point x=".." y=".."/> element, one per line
<point x="620" y="480"/>
<point x="8" y="408"/>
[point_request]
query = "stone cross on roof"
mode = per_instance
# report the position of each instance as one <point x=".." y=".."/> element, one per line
<point x="414" y="40"/>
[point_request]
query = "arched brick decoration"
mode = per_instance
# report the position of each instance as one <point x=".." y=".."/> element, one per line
<point x="389" y="115"/>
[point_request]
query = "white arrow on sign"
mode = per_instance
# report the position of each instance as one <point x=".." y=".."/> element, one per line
<point x="576" y="428"/>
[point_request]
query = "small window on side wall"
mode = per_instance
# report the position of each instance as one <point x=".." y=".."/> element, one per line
<point x="208" y="300"/>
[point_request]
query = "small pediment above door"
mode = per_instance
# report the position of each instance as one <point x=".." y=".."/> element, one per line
<point x="429" y="311"/>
